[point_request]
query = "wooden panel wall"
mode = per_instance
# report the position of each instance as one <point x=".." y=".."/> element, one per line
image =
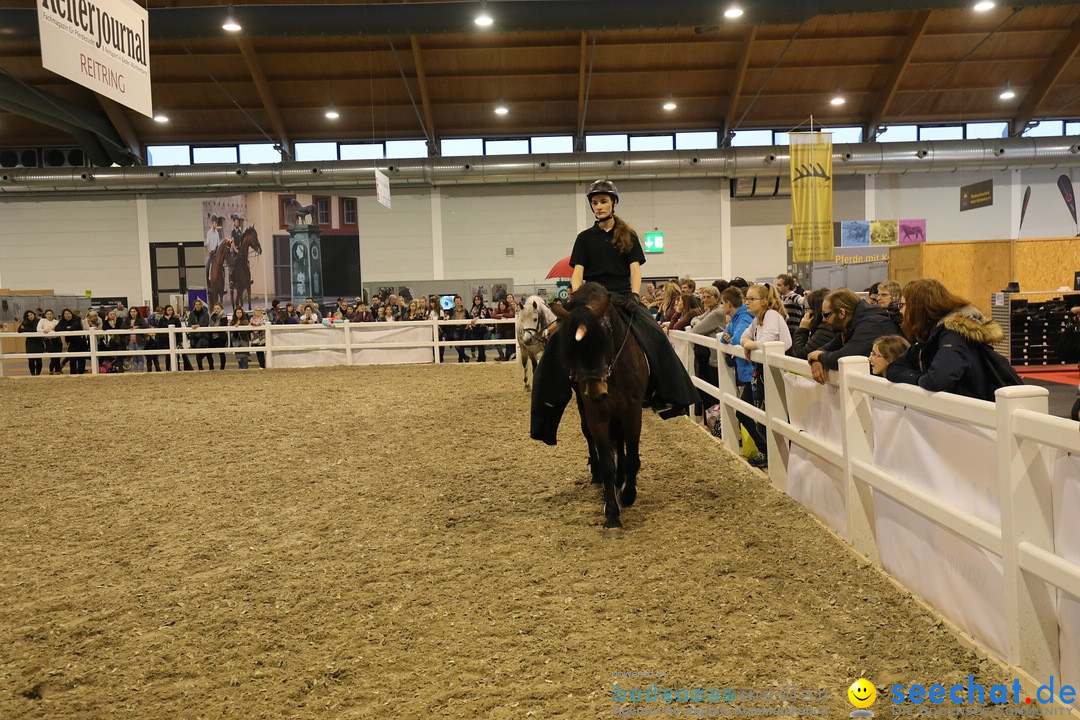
<point x="972" y="270"/>
<point x="1046" y="264"/>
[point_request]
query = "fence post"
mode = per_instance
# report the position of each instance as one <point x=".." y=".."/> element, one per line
<point x="856" y="431"/>
<point x="775" y="407"/>
<point x="269" y="346"/>
<point x="435" y="340"/>
<point x="94" y="362"/>
<point x="1027" y="514"/>
<point x="348" y="342"/>
<point x="174" y="359"/>
<point x="729" y="423"/>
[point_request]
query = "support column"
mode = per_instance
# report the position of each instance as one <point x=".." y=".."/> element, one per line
<point x="725" y="228"/>
<point x="143" y="229"/>
<point x="870" y="197"/>
<point x="437" y="269"/>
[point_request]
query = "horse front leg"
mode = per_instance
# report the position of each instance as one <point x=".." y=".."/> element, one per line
<point x="632" y="463"/>
<point x="523" y="355"/>
<point x="606" y="468"/>
<point x="594" y="458"/>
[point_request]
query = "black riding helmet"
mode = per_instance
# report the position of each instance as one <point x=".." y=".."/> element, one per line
<point x="603" y="187"/>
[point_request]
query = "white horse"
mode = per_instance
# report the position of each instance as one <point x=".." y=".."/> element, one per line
<point x="532" y="323"/>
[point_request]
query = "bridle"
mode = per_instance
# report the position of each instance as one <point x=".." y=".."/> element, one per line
<point x="606" y="372"/>
<point x="530" y="335"/>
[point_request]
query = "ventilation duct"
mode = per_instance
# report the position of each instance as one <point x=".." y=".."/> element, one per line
<point x="767" y="165"/>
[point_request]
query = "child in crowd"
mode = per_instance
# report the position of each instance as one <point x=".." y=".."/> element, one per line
<point x="885" y="350"/>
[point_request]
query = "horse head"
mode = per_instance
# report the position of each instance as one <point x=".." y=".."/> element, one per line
<point x="587" y="345"/>
<point x="251" y="238"/>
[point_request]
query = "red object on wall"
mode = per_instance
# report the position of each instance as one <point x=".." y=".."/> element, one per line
<point x="561" y="269"/>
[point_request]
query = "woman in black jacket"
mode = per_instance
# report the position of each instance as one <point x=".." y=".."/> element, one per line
<point x="111" y="342"/>
<point x="950" y="339"/>
<point x="75" y="343"/>
<point x="33" y="344"/>
<point x="169" y="319"/>
<point x="813" y="332"/>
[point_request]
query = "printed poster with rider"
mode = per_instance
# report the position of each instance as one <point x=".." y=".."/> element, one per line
<point x="232" y="252"/>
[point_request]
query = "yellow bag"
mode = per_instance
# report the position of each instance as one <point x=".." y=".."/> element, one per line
<point x="749" y="449"/>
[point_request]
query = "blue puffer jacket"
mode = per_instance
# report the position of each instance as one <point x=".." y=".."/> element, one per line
<point x="740" y="321"/>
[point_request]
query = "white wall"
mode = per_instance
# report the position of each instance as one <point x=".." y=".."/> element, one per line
<point x="480" y="222"/>
<point x="70" y="246"/>
<point x="936" y="197"/>
<point x="1047" y="214"/>
<point x="459" y="232"/>
<point x="396" y="243"/>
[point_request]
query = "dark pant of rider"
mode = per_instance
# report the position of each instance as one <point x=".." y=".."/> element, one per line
<point x="669" y="385"/>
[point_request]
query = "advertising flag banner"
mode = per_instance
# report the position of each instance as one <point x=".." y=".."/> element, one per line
<point x="811" y="196"/>
<point x="382" y="188"/>
<point x="103" y="46"/>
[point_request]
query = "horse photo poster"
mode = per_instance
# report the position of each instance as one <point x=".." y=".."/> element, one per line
<point x="228" y="251"/>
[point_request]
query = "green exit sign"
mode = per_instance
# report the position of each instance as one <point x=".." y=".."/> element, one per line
<point x="654" y="242"/>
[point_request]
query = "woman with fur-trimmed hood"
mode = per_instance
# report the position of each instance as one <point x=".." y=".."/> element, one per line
<point x="945" y="331"/>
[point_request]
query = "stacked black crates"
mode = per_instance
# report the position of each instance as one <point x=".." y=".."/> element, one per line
<point x="1033" y="327"/>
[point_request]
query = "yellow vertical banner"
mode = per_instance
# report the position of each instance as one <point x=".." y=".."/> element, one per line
<point x="811" y="197"/>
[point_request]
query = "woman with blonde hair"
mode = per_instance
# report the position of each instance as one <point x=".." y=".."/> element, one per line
<point x="665" y="309"/>
<point x="769" y="325"/>
<point x="770" y="318"/>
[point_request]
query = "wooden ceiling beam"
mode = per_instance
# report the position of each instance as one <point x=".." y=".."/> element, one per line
<point x="740" y="78"/>
<point x="903" y="59"/>
<point x="265" y="95"/>
<point x="582" y="97"/>
<point x="1064" y="54"/>
<point x="425" y="98"/>
<point x="127" y="133"/>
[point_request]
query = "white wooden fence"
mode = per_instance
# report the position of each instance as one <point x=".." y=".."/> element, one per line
<point x="285" y="345"/>
<point x="1036" y="489"/>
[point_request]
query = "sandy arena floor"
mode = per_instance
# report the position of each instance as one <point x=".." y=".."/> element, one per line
<point x="386" y="542"/>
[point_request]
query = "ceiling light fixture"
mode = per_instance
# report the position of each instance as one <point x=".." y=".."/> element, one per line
<point x="501" y="108"/>
<point x="230" y="24"/>
<point x="838" y="99"/>
<point x="160" y="117"/>
<point x="1007" y="93"/>
<point x="983" y="6"/>
<point x="331" y="113"/>
<point x="733" y="12"/>
<point x="483" y="18"/>
<point x="670" y="104"/>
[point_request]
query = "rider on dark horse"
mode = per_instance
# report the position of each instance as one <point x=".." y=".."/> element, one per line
<point x="610" y="253"/>
<point x="234" y="246"/>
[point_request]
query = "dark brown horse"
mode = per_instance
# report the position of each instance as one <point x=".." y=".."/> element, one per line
<point x="215" y="283"/>
<point x="609" y="374"/>
<point x="241" y="274"/>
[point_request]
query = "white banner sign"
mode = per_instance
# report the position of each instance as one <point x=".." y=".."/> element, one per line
<point x="382" y="188"/>
<point x="101" y="45"/>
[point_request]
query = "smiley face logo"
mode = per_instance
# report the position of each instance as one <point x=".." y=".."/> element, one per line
<point x="862" y="693"/>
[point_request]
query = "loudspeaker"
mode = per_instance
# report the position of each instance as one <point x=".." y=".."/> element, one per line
<point x="63" y="157"/>
<point x="20" y="158"/>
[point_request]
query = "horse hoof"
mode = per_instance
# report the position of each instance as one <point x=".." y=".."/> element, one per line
<point x="613" y="533"/>
<point x="628" y="496"/>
